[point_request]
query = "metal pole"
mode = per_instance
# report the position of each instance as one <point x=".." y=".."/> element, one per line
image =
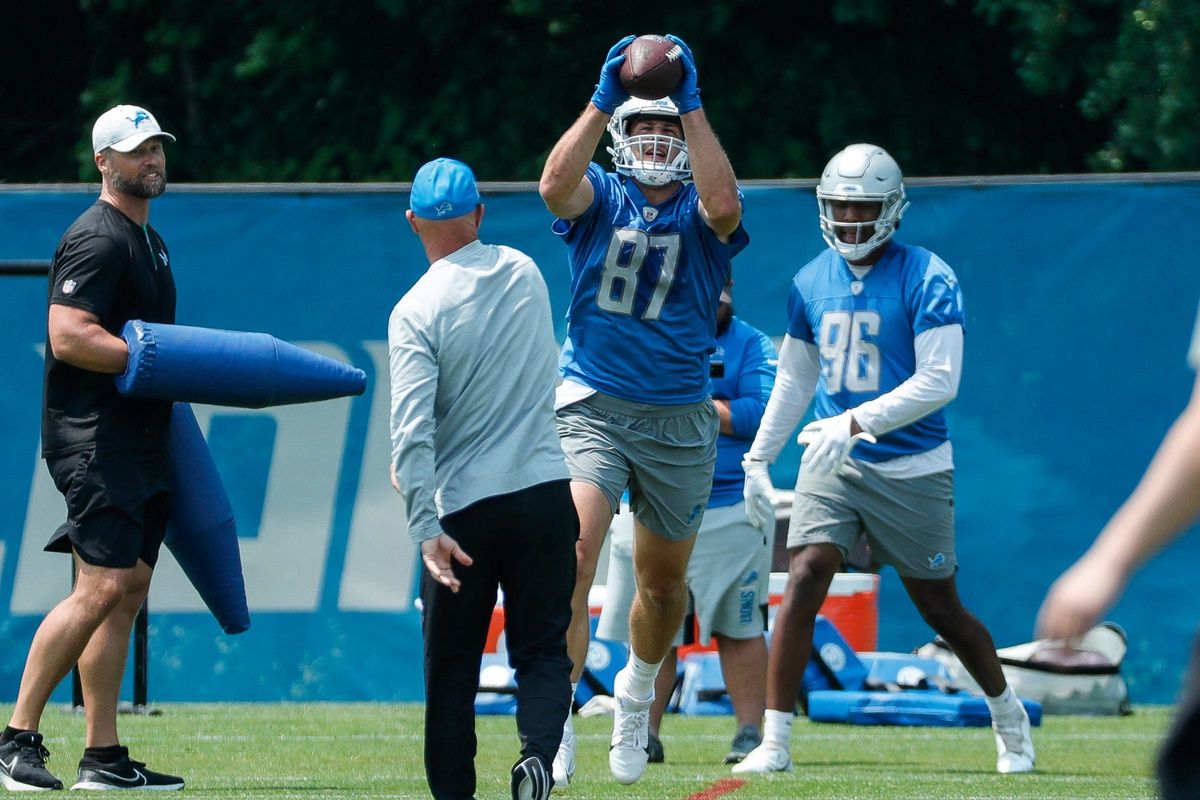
<point x="140" y="653"/>
<point x="76" y="684"/>
<point x="24" y="267"/>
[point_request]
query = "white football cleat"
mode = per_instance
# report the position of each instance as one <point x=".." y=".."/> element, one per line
<point x="763" y="760"/>
<point x="629" y="748"/>
<point x="1014" y="744"/>
<point x="563" y="768"/>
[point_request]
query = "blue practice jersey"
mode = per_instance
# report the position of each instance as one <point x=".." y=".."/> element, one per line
<point x="645" y="283"/>
<point x="865" y="329"/>
<point x="743" y="373"/>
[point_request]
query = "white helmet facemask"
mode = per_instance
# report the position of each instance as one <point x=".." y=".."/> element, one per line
<point x="862" y="173"/>
<point x="652" y="159"/>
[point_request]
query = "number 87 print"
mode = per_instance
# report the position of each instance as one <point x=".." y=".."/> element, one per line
<point x="627" y="254"/>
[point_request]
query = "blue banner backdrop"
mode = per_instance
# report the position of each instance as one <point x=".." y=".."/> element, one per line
<point x="1080" y="305"/>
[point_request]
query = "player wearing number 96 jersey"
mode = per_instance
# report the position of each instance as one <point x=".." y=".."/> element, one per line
<point x="649" y="253"/>
<point x="864" y="331"/>
<point x="875" y="332"/>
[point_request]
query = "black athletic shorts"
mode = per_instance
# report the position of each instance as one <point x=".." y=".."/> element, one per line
<point x="118" y="503"/>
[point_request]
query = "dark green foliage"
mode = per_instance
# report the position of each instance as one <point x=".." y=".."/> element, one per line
<point x="367" y="90"/>
<point x="1129" y="66"/>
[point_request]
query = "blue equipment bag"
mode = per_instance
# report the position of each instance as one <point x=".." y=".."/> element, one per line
<point x="928" y="707"/>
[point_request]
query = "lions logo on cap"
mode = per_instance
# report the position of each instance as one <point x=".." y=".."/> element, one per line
<point x="138" y="118"/>
<point x="443" y="208"/>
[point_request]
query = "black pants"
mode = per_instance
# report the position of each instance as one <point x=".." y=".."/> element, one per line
<point x="1179" y="759"/>
<point x="524" y="543"/>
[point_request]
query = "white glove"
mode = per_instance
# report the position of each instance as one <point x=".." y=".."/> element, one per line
<point x="828" y="444"/>
<point x="759" y="493"/>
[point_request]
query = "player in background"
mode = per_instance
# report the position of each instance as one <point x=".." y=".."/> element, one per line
<point x="730" y="566"/>
<point x="476" y="456"/>
<point x="875" y="332"/>
<point x="648" y="254"/>
<point x="1164" y="504"/>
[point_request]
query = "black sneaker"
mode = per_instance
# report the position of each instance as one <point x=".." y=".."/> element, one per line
<point x="746" y="740"/>
<point x="654" y="750"/>
<point x="530" y="780"/>
<point x="124" y="773"/>
<point x="23" y="764"/>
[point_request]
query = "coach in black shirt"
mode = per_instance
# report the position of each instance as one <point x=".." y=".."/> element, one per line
<point x="107" y="454"/>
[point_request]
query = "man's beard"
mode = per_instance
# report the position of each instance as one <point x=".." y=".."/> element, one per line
<point x="140" y="187"/>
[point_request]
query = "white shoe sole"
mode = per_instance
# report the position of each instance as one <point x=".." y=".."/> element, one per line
<point x="755" y="766"/>
<point x="14" y="785"/>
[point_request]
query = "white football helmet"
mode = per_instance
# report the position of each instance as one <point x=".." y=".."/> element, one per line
<point x="861" y="173"/>
<point x="649" y="158"/>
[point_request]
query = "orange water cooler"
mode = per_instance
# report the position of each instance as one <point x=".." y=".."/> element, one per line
<point x="852" y="605"/>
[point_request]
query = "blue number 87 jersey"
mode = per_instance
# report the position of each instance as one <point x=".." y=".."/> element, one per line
<point x="865" y="330"/>
<point x="645" y="283"/>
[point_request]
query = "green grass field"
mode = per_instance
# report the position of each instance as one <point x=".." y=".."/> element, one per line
<point x="360" y="750"/>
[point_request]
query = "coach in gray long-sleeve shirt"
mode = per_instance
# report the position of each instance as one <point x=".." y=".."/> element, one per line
<point x="475" y="454"/>
<point x="474" y="364"/>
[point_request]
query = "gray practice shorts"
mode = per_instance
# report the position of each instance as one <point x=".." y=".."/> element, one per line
<point x="908" y="522"/>
<point x="727" y="578"/>
<point x="664" y="455"/>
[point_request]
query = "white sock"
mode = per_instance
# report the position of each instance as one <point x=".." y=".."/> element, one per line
<point x="568" y="725"/>
<point x="777" y="729"/>
<point x="1007" y="705"/>
<point x="639" y="678"/>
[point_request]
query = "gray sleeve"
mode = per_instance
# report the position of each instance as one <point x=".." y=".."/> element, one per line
<point x="414" y="378"/>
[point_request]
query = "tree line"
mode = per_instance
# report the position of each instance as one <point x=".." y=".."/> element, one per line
<point x="367" y="90"/>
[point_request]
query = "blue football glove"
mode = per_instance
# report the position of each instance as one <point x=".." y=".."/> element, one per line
<point x="687" y="97"/>
<point x="609" y="92"/>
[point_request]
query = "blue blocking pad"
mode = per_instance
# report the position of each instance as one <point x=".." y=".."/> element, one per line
<point x="833" y="662"/>
<point x="497" y="686"/>
<point x="703" y="690"/>
<point x="604" y="660"/>
<point x="229" y="368"/>
<point x="893" y="671"/>
<point x="912" y="707"/>
<point x="201" y="532"/>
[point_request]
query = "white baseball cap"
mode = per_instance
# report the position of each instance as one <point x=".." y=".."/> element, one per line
<point x="124" y="128"/>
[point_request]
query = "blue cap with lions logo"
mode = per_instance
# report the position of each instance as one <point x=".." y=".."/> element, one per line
<point x="443" y="189"/>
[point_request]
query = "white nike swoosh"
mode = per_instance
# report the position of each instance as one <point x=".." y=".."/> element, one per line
<point x="137" y="779"/>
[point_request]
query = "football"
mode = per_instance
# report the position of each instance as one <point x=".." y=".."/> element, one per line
<point x="653" y="67"/>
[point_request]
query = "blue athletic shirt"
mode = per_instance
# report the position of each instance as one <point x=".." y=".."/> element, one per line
<point x="865" y="330"/>
<point x="743" y="367"/>
<point x="645" y="283"/>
